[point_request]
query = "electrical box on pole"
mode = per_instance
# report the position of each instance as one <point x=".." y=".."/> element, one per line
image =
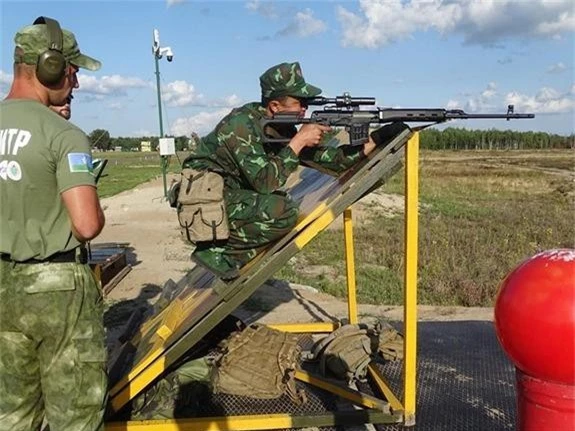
<point x="167" y="147"/>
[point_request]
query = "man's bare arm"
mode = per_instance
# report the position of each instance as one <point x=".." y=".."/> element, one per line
<point x="85" y="212"/>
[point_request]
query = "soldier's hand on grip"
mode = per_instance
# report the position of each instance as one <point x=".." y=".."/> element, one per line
<point x="311" y="134"/>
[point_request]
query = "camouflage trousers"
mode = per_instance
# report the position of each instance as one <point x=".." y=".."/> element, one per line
<point x="53" y="347"/>
<point x="256" y="221"/>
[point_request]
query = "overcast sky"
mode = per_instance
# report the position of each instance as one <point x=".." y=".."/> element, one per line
<point x="479" y="55"/>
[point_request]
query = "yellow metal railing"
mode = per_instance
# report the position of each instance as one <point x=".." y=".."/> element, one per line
<point x="406" y="407"/>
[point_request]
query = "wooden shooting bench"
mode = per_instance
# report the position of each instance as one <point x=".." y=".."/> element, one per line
<point x="201" y="301"/>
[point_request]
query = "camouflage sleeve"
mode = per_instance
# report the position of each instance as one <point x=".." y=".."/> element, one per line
<point x="265" y="172"/>
<point x="336" y="159"/>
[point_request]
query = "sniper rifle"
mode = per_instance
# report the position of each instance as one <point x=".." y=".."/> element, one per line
<point x="344" y="111"/>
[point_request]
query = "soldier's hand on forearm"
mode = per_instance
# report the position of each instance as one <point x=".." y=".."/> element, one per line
<point x="309" y="135"/>
<point x="386" y="133"/>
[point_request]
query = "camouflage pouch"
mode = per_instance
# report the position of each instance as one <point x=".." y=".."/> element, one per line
<point x="201" y="207"/>
<point x="348" y="350"/>
<point x="258" y="362"/>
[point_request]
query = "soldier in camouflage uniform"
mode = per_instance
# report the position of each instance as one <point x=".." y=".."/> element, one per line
<point x="254" y="171"/>
<point x="52" y="350"/>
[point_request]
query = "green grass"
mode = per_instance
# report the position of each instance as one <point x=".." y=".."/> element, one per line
<point x="478" y="219"/>
<point x="481" y="214"/>
<point x="125" y="171"/>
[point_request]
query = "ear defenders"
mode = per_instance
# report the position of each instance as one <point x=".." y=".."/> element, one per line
<point x="51" y="65"/>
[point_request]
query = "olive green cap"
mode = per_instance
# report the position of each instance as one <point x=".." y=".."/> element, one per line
<point x="33" y="40"/>
<point x="286" y="79"/>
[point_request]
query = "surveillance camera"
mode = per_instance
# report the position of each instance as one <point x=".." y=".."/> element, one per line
<point x="167" y="51"/>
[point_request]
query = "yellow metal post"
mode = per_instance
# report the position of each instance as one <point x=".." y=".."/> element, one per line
<point x="350" y="266"/>
<point x="410" y="278"/>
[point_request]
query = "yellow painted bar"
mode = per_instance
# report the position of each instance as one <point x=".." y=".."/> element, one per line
<point x="410" y="278"/>
<point x="256" y="422"/>
<point x="354" y="396"/>
<point x="171" y="320"/>
<point x="138" y="384"/>
<point x="318" y="225"/>
<point x="239" y="423"/>
<point x="350" y="266"/>
<point x="308" y="218"/>
<point x="304" y="328"/>
<point x="383" y="386"/>
<point x="156" y="351"/>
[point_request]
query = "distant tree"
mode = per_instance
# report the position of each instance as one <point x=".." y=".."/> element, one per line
<point x="463" y="139"/>
<point x="100" y="139"/>
<point x="181" y="143"/>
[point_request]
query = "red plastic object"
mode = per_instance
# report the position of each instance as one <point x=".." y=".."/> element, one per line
<point x="535" y="324"/>
<point x="543" y="405"/>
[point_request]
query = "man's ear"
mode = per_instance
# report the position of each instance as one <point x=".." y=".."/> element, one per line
<point x="274" y="106"/>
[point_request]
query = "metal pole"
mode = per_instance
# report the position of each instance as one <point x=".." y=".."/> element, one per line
<point x="163" y="159"/>
<point x="410" y="279"/>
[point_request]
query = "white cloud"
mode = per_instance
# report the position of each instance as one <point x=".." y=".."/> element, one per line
<point x="5" y="78"/>
<point x="483" y="102"/>
<point x="181" y="93"/>
<point x="485" y="22"/>
<point x="173" y="2"/>
<point x="201" y="123"/>
<point x="490" y="91"/>
<point x="557" y="68"/>
<point x="109" y="85"/>
<point x="267" y="9"/>
<point x="303" y="25"/>
<point x="142" y="133"/>
<point x="116" y="106"/>
<point x="5" y="82"/>
<point x="547" y="101"/>
<point x="226" y="102"/>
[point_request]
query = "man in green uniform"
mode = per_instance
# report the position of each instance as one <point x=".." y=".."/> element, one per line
<point x="53" y="357"/>
<point x="254" y="171"/>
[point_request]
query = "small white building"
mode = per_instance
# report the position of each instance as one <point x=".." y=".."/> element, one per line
<point x="146" y="146"/>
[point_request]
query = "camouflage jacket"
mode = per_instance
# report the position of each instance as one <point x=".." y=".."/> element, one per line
<point x="235" y="149"/>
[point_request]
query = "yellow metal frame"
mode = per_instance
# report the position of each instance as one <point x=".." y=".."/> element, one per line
<point x="377" y="409"/>
<point x="407" y="405"/>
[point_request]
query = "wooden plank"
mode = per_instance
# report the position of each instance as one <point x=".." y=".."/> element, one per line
<point x="116" y="279"/>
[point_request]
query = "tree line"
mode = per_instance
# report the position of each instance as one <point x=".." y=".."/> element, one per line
<point x="463" y="139"/>
<point x="450" y="138"/>
<point x="102" y="141"/>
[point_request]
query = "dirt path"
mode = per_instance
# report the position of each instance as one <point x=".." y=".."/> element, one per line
<point x="142" y="219"/>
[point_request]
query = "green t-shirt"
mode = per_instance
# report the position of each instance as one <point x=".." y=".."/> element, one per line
<point x="41" y="156"/>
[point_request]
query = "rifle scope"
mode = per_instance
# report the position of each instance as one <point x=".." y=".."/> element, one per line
<point x="344" y="100"/>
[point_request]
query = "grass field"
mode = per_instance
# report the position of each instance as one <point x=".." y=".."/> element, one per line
<point x="481" y="213"/>
<point x="124" y="171"/>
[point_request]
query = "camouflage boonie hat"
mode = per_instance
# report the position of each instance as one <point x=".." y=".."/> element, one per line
<point x="286" y="79"/>
<point x="32" y="40"/>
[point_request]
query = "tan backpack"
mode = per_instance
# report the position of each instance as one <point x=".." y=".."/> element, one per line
<point x="201" y="207"/>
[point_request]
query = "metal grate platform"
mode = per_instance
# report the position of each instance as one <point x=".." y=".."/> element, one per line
<point x="464" y="380"/>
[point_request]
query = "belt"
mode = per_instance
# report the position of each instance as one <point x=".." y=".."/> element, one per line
<point x="61" y="257"/>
